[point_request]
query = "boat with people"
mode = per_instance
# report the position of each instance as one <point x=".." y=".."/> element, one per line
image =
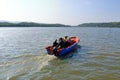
<point x="63" y="47"/>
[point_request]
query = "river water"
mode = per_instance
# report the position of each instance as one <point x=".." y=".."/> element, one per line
<point x="23" y="55"/>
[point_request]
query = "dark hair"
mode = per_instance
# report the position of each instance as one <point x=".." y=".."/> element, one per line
<point x="66" y="36"/>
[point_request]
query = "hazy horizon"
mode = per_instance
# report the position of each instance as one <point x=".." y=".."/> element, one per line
<point x="70" y="12"/>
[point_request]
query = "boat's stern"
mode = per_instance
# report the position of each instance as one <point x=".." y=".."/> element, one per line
<point x="49" y="50"/>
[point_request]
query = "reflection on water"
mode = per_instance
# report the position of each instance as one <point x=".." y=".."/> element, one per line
<point x="23" y="55"/>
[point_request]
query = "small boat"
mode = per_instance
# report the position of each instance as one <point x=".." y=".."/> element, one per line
<point x="62" y="51"/>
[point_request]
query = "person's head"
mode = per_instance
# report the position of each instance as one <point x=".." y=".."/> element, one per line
<point x="56" y="40"/>
<point x="66" y="37"/>
<point x="60" y="39"/>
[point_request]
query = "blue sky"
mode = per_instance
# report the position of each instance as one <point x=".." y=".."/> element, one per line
<point x="71" y="12"/>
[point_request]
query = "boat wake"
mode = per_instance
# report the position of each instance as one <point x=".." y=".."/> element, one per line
<point x="44" y="60"/>
<point x="24" y="65"/>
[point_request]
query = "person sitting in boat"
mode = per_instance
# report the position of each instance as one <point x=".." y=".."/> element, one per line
<point x="61" y="43"/>
<point x="55" y="43"/>
<point x="66" y="41"/>
<point x="65" y="38"/>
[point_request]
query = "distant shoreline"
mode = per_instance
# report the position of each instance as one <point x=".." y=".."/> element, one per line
<point x="30" y="24"/>
<point x="33" y="24"/>
<point x="110" y="24"/>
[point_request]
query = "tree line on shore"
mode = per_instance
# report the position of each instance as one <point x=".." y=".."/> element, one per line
<point x="33" y="24"/>
<point x="110" y="24"/>
<point x="30" y="24"/>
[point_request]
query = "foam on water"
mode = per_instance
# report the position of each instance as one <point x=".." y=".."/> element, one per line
<point x="23" y="64"/>
<point x="44" y="60"/>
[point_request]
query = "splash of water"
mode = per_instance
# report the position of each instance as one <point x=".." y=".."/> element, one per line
<point x="44" y="60"/>
<point x="28" y="64"/>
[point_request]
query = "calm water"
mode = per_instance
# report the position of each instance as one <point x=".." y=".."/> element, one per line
<point x="23" y="55"/>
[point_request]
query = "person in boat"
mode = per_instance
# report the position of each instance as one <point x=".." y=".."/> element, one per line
<point x="66" y="41"/>
<point x="65" y="38"/>
<point x="55" y="43"/>
<point x="61" y="43"/>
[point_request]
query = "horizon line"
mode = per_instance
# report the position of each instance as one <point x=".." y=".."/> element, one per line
<point x="56" y="23"/>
